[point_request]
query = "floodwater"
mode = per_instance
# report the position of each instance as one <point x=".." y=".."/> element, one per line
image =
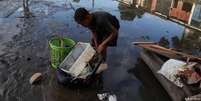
<point x="24" y="51"/>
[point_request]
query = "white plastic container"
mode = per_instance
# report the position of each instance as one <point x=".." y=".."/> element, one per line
<point x="76" y="61"/>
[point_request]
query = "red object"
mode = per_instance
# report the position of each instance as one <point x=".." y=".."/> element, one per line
<point x="153" y="5"/>
<point x="195" y="76"/>
<point x="180" y="14"/>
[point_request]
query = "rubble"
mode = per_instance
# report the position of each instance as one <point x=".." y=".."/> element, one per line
<point x="194" y="98"/>
<point x="107" y="97"/>
<point x="169" y="70"/>
<point x="35" y="78"/>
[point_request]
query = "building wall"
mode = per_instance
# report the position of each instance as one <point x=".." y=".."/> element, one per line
<point x="147" y="4"/>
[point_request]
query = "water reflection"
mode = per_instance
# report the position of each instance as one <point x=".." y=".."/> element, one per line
<point x="196" y="18"/>
<point x="77" y="1"/>
<point x="187" y="11"/>
<point x="176" y="42"/>
<point x="151" y="85"/>
<point x="182" y="10"/>
<point x="163" y="6"/>
<point x="129" y="12"/>
<point x="190" y="42"/>
<point x="147" y="4"/>
<point x="164" y="42"/>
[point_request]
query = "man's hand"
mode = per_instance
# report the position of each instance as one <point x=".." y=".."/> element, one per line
<point x="101" y="48"/>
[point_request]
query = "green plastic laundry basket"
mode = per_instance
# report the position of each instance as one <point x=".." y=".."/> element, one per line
<point x="59" y="49"/>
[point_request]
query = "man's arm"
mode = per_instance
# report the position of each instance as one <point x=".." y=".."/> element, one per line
<point x="111" y="37"/>
<point x="94" y="39"/>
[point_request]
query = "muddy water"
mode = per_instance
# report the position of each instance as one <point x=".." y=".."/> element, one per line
<point x="24" y="51"/>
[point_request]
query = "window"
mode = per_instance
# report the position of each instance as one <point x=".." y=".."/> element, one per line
<point x="175" y="3"/>
<point x="187" y="7"/>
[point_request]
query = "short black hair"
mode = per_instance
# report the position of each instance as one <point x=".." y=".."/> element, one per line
<point x="80" y="14"/>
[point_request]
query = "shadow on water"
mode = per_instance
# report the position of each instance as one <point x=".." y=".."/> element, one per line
<point x="144" y="74"/>
<point x="25" y="51"/>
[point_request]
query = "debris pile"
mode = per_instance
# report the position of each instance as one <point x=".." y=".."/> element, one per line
<point x="182" y="73"/>
<point x="107" y="97"/>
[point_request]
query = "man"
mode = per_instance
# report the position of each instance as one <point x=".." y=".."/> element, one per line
<point x="104" y="28"/>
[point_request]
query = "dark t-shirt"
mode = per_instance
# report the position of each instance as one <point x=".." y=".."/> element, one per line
<point x="102" y="23"/>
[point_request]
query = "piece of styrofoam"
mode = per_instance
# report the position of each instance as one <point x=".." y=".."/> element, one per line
<point x="82" y="54"/>
<point x="71" y="58"/>
<point x="83" y="60"/>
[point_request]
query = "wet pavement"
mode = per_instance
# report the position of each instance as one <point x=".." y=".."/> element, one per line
<point x="8" y="7"/>
<point x="24" y="51"/>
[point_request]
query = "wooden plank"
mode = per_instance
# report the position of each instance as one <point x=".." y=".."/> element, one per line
<point x="155" y="63"/>
<point x="137" y="43"/>
<point x="169" y="53"/>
